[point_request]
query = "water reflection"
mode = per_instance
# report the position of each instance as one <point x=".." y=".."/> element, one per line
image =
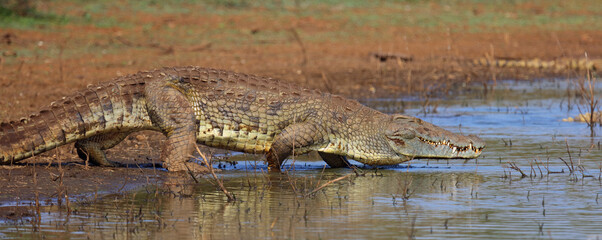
<point x="392" y="203"/>
<point x="272" y="205"/>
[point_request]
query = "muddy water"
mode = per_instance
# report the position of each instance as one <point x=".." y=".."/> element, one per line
<point x="482" y="198"/>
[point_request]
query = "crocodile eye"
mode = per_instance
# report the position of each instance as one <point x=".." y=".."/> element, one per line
<point x="400" y="117"/>
<point x="184" y="80"/>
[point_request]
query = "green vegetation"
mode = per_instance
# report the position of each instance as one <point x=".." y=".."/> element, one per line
<point x="235" y="22"/>
<point x="475" y="15"/>
<point x="22" y="14"/>
<point x="334" y="19"/>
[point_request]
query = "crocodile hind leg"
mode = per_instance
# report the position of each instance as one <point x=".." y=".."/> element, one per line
<point x="171" y="111"/>
<point x="92" y="148"/>
<point x="334" y="161"/>
<point x="297" y="135"/>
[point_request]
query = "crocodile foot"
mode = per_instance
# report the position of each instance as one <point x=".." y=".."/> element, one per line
<point x="187" y="166"/>
<point x="113" y="164"/>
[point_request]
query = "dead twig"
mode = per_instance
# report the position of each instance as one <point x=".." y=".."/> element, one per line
<point x="328" y="183"/>
<point x="303" y="51"/>
<point x="540" y="172"/>
<point x="567" y="165"/>
<point x="231" y="197"/>
<point x="588" y="94"/>
<point x="568" y="151"/>
<point x="406" y="192"/>
<point x="38" y="216"/>
<point x="513" y="166"/>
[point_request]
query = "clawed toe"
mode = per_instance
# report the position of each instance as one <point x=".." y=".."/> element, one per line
<point x="188" y="167"/>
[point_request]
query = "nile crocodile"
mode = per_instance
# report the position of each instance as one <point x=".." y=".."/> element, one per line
<point x="231" y="111"/>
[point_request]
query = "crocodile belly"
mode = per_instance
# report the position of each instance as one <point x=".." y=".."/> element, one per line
<point x="234" y="139"/>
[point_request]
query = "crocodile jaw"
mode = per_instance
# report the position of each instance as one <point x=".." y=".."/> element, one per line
<point x="469" y="147"/>
<point x="415" y="138"/>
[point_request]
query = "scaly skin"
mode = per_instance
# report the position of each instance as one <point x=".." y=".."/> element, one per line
<point x="231" y="111"/>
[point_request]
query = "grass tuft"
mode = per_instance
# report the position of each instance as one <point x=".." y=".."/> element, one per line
<point x="24" y="15"/>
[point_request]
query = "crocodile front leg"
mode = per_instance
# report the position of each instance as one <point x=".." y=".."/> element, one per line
<point x="298" y="135"/>
<point x="170" y="110"/>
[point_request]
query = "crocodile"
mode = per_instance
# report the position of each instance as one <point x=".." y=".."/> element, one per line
<point x="227" y="110"/>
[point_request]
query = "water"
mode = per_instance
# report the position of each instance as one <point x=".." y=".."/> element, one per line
<point x="430" y="199"/>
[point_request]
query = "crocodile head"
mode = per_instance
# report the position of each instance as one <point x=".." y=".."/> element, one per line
<point x="412" y="137"/>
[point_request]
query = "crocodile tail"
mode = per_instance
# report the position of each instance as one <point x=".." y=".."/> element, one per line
<point x="102" y="108"/>
<point x="37" y="133"/>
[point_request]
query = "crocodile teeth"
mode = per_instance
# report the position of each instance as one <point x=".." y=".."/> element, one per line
<point x="454" y="148"/>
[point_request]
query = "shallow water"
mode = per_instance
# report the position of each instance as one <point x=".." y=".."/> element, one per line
<point x="435" y="199"/>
